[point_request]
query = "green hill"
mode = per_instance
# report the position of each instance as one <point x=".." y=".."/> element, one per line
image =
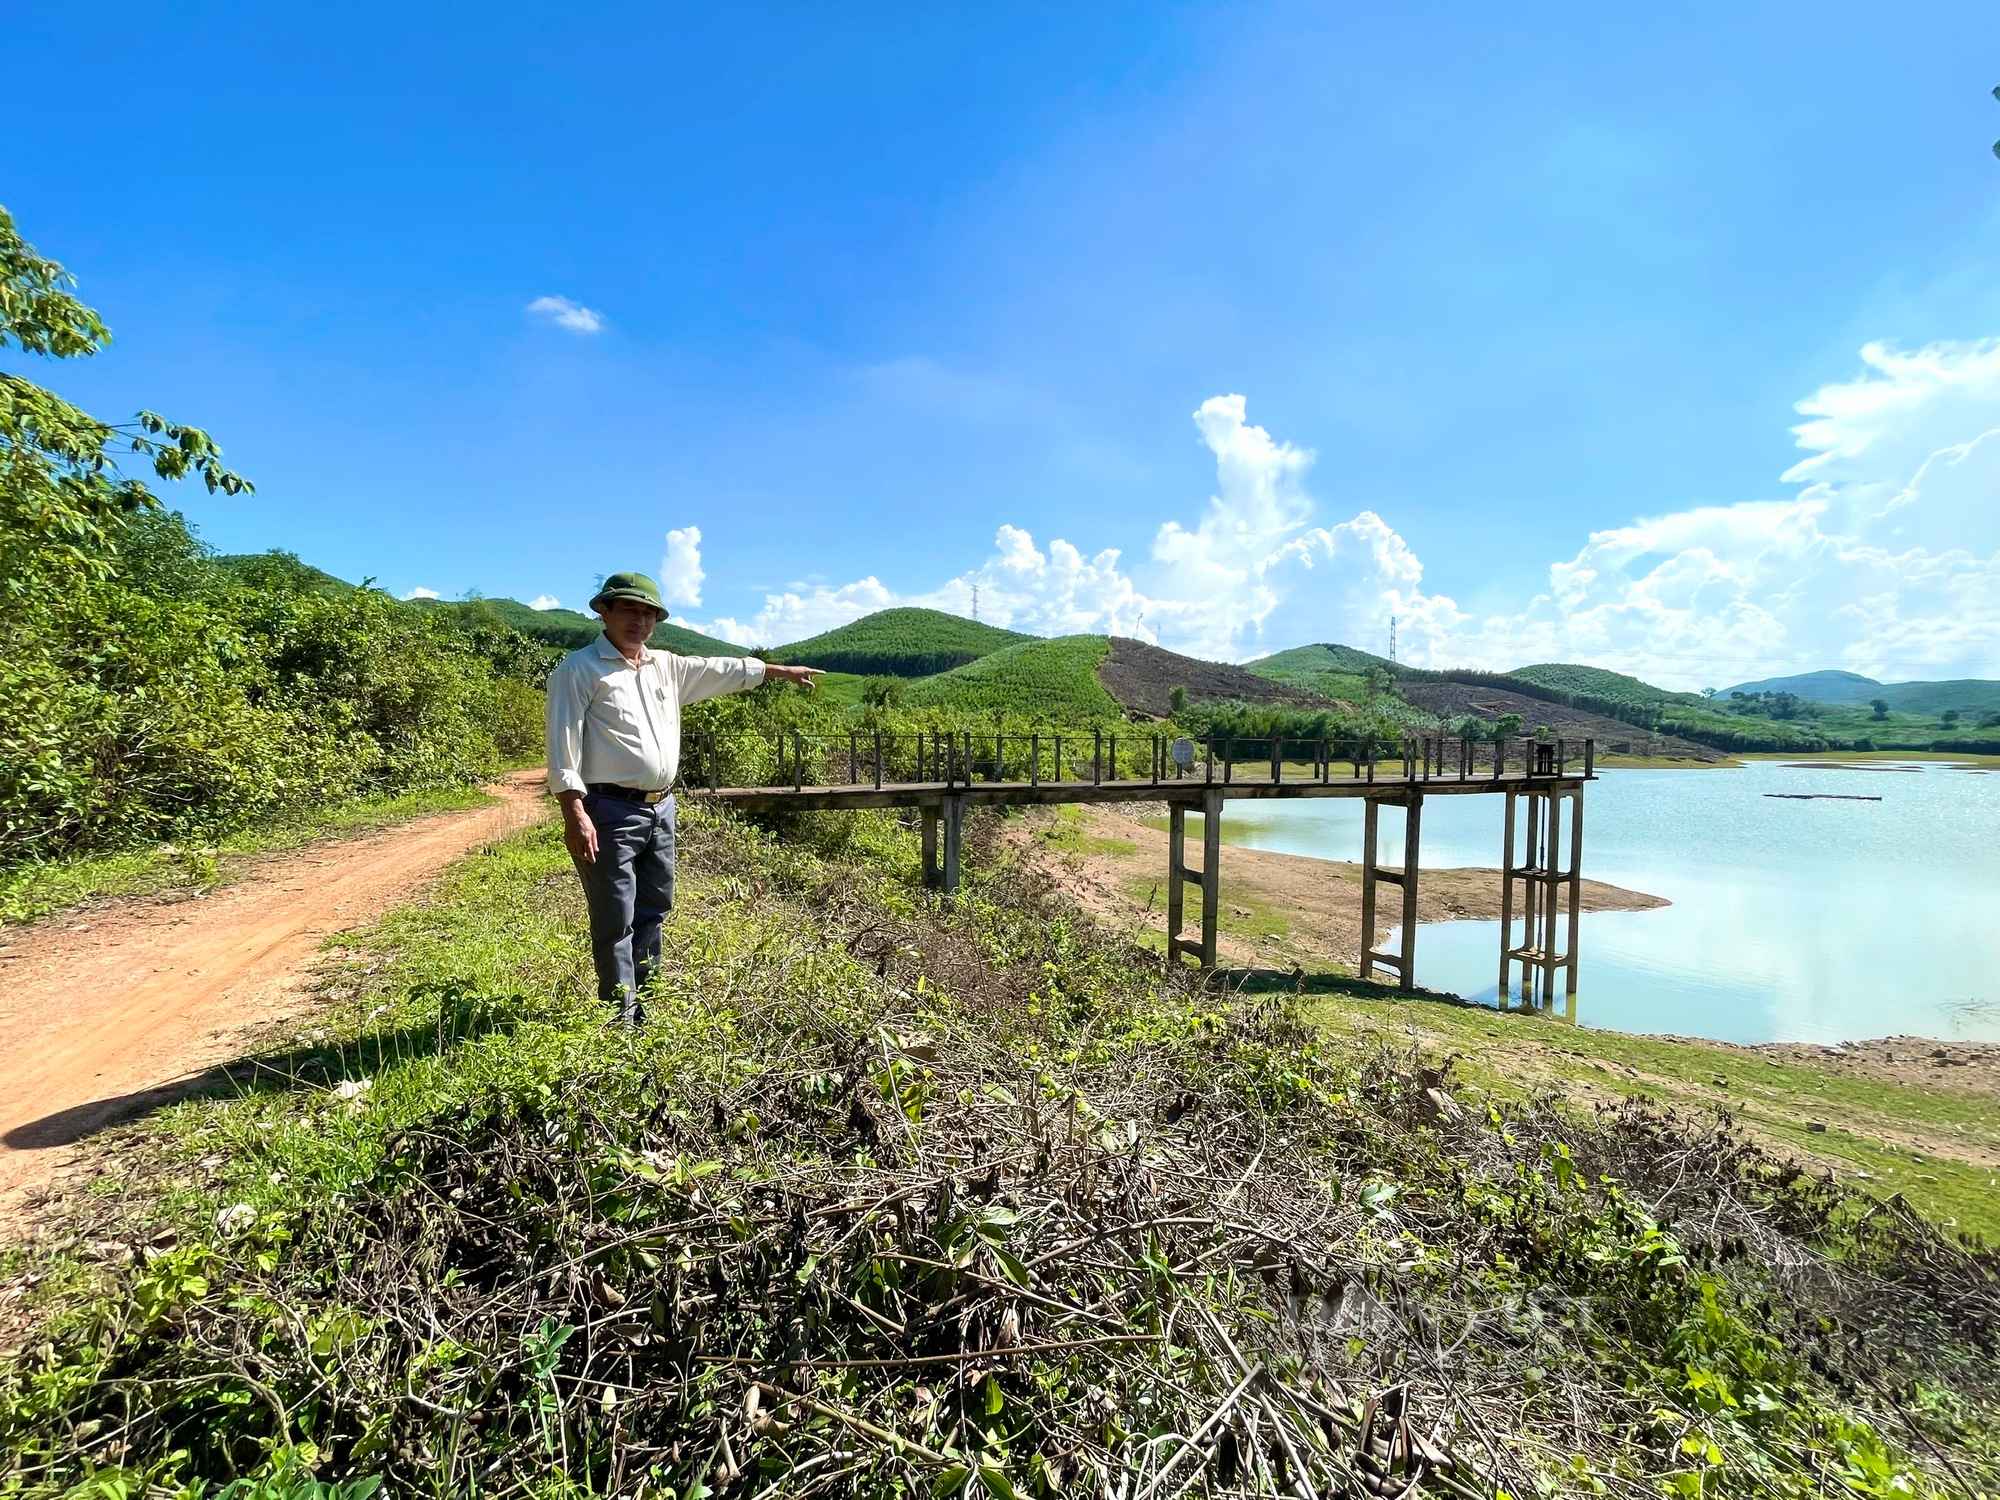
<point x="1043" y="682"/>
<point x="901" y="643"/>
<point x="568" y="629"/>
<point x="1597" y="682"/>
<point x="1821" y="687"/>
<point x="1331" y="670"/>
<point x="1326" y="656"/>
<point x="1969" y="695"/>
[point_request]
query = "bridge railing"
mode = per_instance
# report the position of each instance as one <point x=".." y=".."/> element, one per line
<point x="945" y="758"/>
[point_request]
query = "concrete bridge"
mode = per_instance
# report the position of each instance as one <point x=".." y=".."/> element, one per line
<point x="942" y="773"/>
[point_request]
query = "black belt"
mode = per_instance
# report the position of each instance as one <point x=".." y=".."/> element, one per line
<point x="624" y="793"/>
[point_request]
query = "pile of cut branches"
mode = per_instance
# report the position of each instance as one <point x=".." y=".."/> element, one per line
<point x="966" y="1198"/>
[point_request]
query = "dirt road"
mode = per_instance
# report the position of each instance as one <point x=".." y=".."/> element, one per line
<point x="106" y="1010"/>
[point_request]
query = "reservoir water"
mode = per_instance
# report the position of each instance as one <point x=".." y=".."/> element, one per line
<point x="1792" y="920"/>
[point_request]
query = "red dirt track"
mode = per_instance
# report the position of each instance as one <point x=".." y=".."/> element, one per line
<point x="106" y="1010"/>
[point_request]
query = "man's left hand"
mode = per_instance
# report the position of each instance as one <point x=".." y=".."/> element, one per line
<point x="779" y="672"/>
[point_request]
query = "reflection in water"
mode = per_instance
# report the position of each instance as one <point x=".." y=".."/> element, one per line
<point x="1816" y="920"/>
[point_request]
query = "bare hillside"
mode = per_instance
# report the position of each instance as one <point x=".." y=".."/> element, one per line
<point x="1143" y="677"/>
<point x="1448" y="700"/>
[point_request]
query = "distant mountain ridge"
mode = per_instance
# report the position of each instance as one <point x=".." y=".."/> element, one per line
<point x="1969" y="695"/>
<point x="955" y="663"/>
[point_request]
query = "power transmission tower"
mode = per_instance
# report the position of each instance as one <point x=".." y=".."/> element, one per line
<point x="975" y="601"/>
<point x="1392" y="638"/>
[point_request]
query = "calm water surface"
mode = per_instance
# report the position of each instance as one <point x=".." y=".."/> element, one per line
<point x="1797" y="921"/>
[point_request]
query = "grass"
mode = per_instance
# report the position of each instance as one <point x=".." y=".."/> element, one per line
<point x="1900" y="1136"/>
<point x="1241" y="916"/>
<point x="841" y="688"/>
<point x="1066" y="834"/>
<point x="1040" y="682"/>
<point x="30" y="892"/>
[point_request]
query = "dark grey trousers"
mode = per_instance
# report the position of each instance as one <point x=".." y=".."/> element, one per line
<point x="630" y="889"/>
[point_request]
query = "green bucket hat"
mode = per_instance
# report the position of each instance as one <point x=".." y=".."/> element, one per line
<point x="634" y="586"/>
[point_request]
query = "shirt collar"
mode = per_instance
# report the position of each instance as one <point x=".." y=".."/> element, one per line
<point x="611" y="653"/>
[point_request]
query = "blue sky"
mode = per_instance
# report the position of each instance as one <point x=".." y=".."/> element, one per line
<point x="1530" y="291"/>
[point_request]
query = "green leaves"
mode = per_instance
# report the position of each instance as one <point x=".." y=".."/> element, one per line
<point x="37" y="312"/>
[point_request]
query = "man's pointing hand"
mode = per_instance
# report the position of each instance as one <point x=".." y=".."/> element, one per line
<point x="779" y="672"/>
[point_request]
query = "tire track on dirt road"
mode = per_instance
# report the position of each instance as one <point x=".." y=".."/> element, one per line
<point x="109" y="1010"/>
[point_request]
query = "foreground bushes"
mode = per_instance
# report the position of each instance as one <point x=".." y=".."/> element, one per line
<point x="901" y="1197"/>
<point x="171" y="698"/>
<point x="146" y="692"/>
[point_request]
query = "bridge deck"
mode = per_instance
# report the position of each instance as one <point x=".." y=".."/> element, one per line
<point x="1189" y="790"/>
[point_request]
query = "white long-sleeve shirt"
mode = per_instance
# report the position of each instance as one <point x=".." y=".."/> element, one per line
<point x="611" y="721"/>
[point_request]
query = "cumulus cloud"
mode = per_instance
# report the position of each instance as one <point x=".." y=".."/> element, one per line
<point x="1885" y="562"/>
<point x="567" y="314"/>
<point x="422" y="593"/>
<point x="545" y="601"/>
<point x="680" y="568"/>
<point x="1883" y="556"/>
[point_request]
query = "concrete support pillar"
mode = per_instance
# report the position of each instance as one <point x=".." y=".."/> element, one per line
<point x="1208" y="879"/>
<point x="1542" y="888"/>
<point x="954" y="825"/>
<point x="1403" y="962"/>
<point x="932" y="877"/>
<point x="1211" y="872"/>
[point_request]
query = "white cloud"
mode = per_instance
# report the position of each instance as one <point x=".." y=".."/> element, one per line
<point x="567" y="314"/>
<point x="545" y="601"/>
<point x="1884" y="558"/>
<point x="1887" y="562"/>
<point x="680" y="569"/>
<point x="422" y="593"/>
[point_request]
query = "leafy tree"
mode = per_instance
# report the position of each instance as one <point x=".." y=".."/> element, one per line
<point x="1507" y="726"/>
<point x="146" y="691"/>
<point x="1177" y="699"/>
<point x="882" y="692"/>
<point x="1950" y="718"/>
<point x="61" y="489"/>
<point x="1881" y="707"/>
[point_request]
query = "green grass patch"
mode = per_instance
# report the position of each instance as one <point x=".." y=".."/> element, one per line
<point x="1869" y="1123"/>
<point x="841" y="688"/>
<point x="30" y="892"/>
<point x="1068" y="833"/>
<point x="1052" y="682"/>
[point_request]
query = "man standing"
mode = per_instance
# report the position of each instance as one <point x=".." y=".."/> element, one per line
<point x="614" y="741"/>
